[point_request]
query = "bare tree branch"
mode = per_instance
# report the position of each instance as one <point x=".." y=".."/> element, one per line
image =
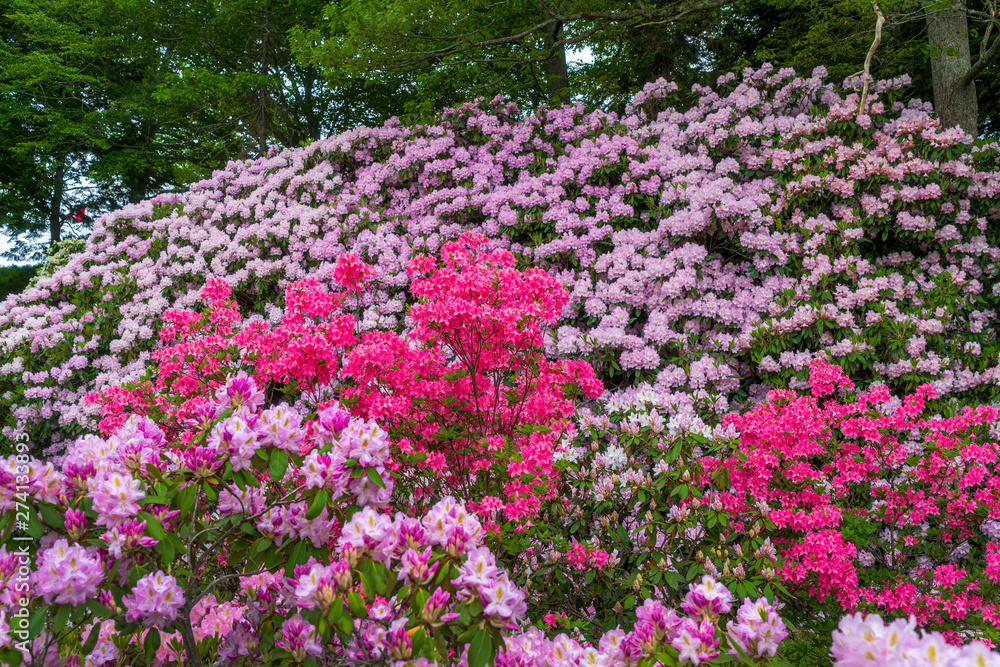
<point x="987" y="57"/>
<point x="466" y="42"/>
<point x="879" y="22"/>
<point x="989" y="28"/>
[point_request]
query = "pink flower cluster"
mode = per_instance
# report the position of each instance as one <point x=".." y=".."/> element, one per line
<point x="68" y="574"/>
<point x="697" y="638"/>
<point x="758" y="629"/>
<point x="867" y="640"/>
<point x="154" y="601"/>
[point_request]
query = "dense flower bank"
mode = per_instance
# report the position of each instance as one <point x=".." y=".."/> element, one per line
<point x="407" y="457"/>
<point x="312" y="562"/>
<point x="217" y="522"/>
<point x="713" y="245"/>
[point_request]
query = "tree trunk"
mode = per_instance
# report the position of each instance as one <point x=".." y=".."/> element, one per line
<point x="556" y="74"/>
<point x="55" y="204"/>
<point x="187" y="635"/>
<point x="948" y="34"/>
<point x="263" y="102"/>
<point x="312" y="118"/>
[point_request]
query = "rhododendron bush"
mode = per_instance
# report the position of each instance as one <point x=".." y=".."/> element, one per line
<point x="636" y="516"/>
<point x="712" y="244"/>
<point x="150" y="551"/>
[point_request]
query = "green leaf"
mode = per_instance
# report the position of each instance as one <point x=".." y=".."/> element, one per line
<point x="61" y="617"/>
<point x="98" y="609"/>
<point x="481" y="649"/>
<point x="166" y="550"/>
<point x="210" y="492"/>
<point x="390" y="582"/>
<point x="346" y="625"/>
<point x="52" y="517"/>
<point x="375" y="477"/>
<point x="370" y="587"/>
<point x="263" y="544"/>
<point x="185" y="498"/>
<point x="153" y="527"/>
<point x="37" y="622"/>
<point x="279" y="464"/>
<point x="11" y="657"/>
<point x="151" y="644"/>
<point x="297" y="556"/>
<point x="317" y="505"/>
<point x="357" y="605"/>
<point x="35" y="528"/>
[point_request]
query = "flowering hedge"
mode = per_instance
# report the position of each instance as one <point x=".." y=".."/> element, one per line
<point x="712" y="244"/>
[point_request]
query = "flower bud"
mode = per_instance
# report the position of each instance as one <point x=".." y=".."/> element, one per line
<point x="400" y="644"/>
<point x="352" y="555"/>
<point x="76" y="524"/>
<point x="342" y="576"/>
<point x="431" y="614"/>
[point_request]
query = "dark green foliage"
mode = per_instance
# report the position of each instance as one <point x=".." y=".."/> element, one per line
<point x="14" y="279"/>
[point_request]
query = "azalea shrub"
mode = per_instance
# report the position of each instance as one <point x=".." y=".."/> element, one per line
<point x="873" y="503"/>
<point x="833" y="501"/>
<point x="713" y="242"/>
<point x="467" y="392"/>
